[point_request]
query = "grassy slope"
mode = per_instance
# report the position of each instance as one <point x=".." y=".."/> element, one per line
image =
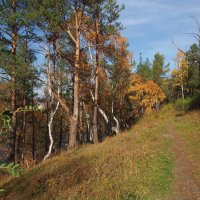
<point x="134" y="165"/>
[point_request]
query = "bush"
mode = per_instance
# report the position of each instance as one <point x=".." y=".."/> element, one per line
<point x="195" y="103"/>
<point x="188" y="103"/>
<point x="183" y="104"/>
<point x="12" y="169"/>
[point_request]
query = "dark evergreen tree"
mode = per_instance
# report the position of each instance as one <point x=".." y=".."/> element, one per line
<point x="193" y="57"/>
<point x="159" y="69"/>
<point x="144" y="69"/>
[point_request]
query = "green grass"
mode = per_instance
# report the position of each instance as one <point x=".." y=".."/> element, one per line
<point x="134" y="165"/>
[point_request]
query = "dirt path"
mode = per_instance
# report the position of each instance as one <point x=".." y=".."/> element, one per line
<point x="185" y="185"/>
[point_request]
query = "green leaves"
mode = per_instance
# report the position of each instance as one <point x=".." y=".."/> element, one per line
<point x="2" y="190"/>
<point x="6" y="115"/>
<point x="12" y="168"/>
<point x="30" y="108"/>
<point x="7" y="118"/>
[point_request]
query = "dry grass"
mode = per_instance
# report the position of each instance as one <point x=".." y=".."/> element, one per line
<point x="134" y="165"/>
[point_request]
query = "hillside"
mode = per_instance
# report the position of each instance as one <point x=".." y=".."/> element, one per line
<point x="142" y="163"/>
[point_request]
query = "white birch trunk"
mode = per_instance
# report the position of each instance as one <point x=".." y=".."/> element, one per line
<point x="116" y="128"/>
<point x="51" y="95"/>
<point x="50" y="127"/>
<point x="182" y="91"/>
<point x="100" y="110"/>
<point x="103" y="114"/>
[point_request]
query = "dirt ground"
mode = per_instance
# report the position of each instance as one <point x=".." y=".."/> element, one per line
<point x="185" y="185"/>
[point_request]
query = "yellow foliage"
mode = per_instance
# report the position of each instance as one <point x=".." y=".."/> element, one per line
<point x="147" y="95"/>
<point x="121" y="40"/>
<point x="180" y="74"/>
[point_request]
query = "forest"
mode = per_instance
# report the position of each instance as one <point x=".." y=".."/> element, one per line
<point x="68" y="79"/>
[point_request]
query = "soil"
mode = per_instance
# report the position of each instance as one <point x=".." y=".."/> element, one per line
<point x="184" y="186"/>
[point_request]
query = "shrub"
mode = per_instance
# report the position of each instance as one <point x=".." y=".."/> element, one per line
<point x="11" y="168"/>
<point x="183" y="104"/>
<point x="188" y="103"/>
<point x="195" y="103"/>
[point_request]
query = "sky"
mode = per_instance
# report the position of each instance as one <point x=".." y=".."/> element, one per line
<point x="152" y="25"/>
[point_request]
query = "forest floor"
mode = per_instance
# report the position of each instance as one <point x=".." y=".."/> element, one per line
<point x="157" y="159"/>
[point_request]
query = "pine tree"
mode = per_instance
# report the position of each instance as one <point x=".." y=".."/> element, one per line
<point x="13" y="59"/>
<point x="193" y="58"/>
<point x="104" y="14"/>
<point x="144" y="69"/>
<point x="159" y="70"/>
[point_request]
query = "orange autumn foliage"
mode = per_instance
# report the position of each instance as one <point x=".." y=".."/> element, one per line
<point x="146" y="95"/>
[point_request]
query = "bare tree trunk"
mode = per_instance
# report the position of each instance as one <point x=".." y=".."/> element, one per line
<point x="47" y="131"/>
<point x="157" y="106"/>
<point x="13" y="129"/>
<point x="87" y="116"/>
<point x="96" y="93"/>
<point x="20" y="140"/>
<point x="61" y="132"/>
<point x="116" y="128"/>
<point x="73" y="133"/>
<point x="51" y="86"/>
<point x="142" y="110"/>
<point x="23" y="132"/>
<point x="61" y="117"/>
<point x="23" y="137"/>
<point x="100" y="110"/>
<point x="95" y="131"/>
<point x="50" y="126"/>
<point x="33" y="125"/>
<point x="18" y="146"/>
<point x="81" y="136"/>
<point x="74" y="118"/>
<point x="182" y="92"/>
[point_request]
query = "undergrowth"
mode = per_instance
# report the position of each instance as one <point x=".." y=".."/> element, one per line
<point x="188" y="104"/>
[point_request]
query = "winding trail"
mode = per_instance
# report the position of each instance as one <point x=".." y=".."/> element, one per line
<point x="184" y="185"/>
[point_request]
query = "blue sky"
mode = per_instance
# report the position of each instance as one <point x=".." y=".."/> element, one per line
<point x="151" y="25"/>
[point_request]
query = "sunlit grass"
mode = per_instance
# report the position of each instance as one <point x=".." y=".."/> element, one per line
<point x="134" y="165"/>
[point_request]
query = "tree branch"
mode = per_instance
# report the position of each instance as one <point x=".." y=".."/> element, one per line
<point x="70" y="35"/>
<point x="177" y="46"/>
<point x="91" y="45"/>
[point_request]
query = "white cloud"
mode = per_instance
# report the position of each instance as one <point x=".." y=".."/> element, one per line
<point x="151" y="25"/>
<point x="145" y="4"/>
